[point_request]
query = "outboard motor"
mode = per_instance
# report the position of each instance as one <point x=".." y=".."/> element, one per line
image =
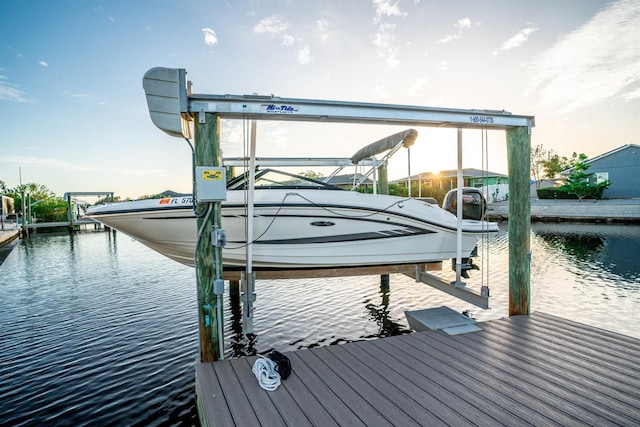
<point x="474" y="204"/>
<point x="466" y="265"/>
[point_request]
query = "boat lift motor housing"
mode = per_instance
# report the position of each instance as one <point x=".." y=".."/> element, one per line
<point x="211" y="184"/>
<point x="474" y="204"/>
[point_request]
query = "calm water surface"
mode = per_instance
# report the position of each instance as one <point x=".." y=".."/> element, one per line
<point x="96" y="329"/>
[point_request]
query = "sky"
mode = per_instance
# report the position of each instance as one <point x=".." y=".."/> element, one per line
<point x="73" y="114"/>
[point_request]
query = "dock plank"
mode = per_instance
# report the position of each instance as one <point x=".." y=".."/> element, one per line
<point x="360" y="378"/>
<point x="210" y="399"/>
<point x="284" y="404"/>
<point x="486" y="394"/>
<point x="556" y="385"/>
<point x="575" y="357"/>
<point x="534" y="388"/>
<point x="590" y="341"/>
<point x="599" y="334"/>
<point x="366" y="413"/>
<point x="587" y="386"/>
<point x="523" y="370"/>
<point x="242" y="412"/>
<point x="268" y="414"/>
<point x="416" y="402"/>
<point x="437" y="393"/>
<point x="338" y="410"/>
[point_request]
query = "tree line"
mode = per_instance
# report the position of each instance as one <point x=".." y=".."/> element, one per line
<point x="46" y="206"/>
<point x="547" y="164"/>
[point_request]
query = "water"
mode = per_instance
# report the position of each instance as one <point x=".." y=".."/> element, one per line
<point x="96" y="329"/>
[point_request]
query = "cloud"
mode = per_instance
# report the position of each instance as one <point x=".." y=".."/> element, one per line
<point x="322" y="29"/>
<point x="462" y="25"/>
<point x="383" y="40"/>
<point x="384" y="8"/>
<point x="46" y="162"/>
<point x="288" y="40"/>
<point x="595" y="62"/>
<point x="270" y="25"/>
<point x="10" y="92"/>
<point x="516" y="41"/>
<point x="43" y="63"/>
<point x="417" y="86"/>
<point x="210" y="38"/>
<point x="380" y="91"/>
<point x="634" y="94"/>
<point x="304" y="55"/>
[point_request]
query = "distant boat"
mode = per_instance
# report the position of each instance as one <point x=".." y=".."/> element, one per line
<point x="301" y="222"/>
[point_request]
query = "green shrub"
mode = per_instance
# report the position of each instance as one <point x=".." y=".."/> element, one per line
<point x="554" y="193"/>
<point x="595" y="192"/>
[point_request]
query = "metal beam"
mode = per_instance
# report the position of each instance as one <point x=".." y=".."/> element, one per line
<point x="462" y="293"/>
<point x="257" y="107"/>
<point x="171" y="105"/>
<point x="87" y="193"/>
<point x="297" y="161"/>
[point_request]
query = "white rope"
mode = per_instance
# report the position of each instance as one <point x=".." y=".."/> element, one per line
<point x="265" y="371"/>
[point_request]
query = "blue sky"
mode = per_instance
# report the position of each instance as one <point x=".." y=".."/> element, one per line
<point x="73" y="115"/>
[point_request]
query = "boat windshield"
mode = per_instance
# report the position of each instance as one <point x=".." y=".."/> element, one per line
<point x="271" y="178"/>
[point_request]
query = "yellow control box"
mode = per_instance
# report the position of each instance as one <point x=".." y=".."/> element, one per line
<point x="211" y="184"/>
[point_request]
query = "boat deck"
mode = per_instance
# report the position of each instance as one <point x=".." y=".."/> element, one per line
<point x="523" y="370"/>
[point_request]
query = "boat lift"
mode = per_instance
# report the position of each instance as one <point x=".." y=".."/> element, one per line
<point x="173" y="106"/>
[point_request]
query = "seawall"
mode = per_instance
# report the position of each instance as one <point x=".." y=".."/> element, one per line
<point x="8" y="235"/>
<point x="606" y="210"/>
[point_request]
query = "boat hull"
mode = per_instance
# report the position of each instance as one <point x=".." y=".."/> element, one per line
<point x="312" y="229"/>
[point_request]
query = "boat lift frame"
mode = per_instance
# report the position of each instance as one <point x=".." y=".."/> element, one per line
<point x="172" y="106"/>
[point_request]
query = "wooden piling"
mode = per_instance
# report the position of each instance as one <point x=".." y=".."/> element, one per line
<point x="207" y="153"/>
<point x="519" y="157"/>
<point x="383" y="180"/>
<point x="70" y="213"/>
<point x="383" y="188"/>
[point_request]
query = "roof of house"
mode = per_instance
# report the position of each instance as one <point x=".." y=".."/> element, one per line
<point x="466" y="173"/>
<point x="601" y="156"/>
<point x="347" y="179"/>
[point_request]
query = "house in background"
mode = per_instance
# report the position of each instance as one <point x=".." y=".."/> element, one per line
<point x="347" y="181"/>
<point x="496" y="184"/>
<point x="543" y="183"/>
<point x="621" y="167"/>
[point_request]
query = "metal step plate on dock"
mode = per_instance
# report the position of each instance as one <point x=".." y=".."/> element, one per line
<point x="440" y="318"/>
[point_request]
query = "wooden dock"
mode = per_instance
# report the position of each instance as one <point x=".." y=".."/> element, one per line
<point x="523" y="370"/>
<point x="79" y="222"/>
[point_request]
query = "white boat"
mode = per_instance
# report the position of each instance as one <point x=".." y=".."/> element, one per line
<point x="301" y="223"/>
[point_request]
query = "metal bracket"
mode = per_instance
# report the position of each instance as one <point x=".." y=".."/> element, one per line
<point x="463" y="293"/>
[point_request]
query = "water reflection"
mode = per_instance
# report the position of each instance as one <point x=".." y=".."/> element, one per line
<point x="612" y="249"/>
<point x="290" y="323"/>
<point x="238" y="344"/>
<point x="380" y="314"/>
<point x="109" y="324"/>
<point x="581" y="247"/>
